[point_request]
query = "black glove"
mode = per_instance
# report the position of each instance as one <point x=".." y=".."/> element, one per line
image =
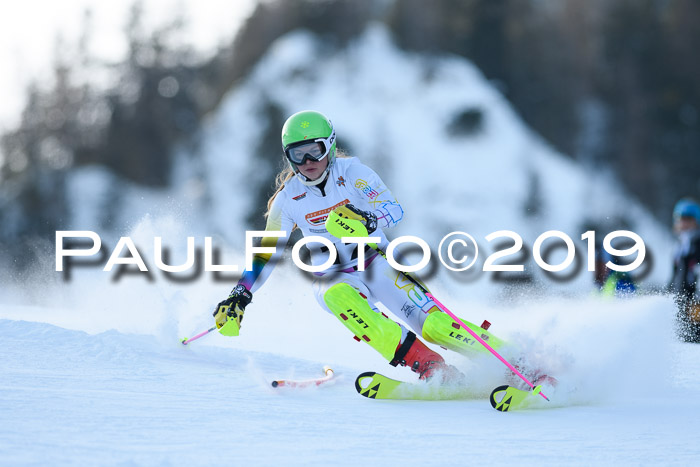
<point x="233" y="307"/>
<point x="351" y="212"/>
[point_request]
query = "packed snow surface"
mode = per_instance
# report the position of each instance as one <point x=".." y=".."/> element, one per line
<point x="628" y="393"/>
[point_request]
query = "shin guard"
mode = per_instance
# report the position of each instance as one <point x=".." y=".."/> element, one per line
<point x="440" y="329"/>
<point x="352" y="309"/>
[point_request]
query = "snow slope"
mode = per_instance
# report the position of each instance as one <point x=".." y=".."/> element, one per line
<point x="629" y="395"/>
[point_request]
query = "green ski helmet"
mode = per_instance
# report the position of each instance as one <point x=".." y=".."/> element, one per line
<point x="308" y="135"/>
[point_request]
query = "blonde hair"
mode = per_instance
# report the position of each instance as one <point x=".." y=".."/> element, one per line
<point x="283" y="177"/>
<point x="286" y="174"/>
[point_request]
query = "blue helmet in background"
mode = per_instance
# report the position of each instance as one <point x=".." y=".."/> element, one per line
<point x="686" y="207"/>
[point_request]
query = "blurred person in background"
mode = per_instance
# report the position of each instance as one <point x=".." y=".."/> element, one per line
<point x="686" y="268"/>
<point x="612" y="283"/>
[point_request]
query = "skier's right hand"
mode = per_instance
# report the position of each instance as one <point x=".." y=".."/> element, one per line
<point x="368" y="219"/>
<point x="229" y="312"/>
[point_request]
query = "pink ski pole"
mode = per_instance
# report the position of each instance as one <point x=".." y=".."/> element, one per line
<point x="186" y="341"/>
<point x="482" y="341"/>
<point x="338" y="225"/>
<point x="461" y="323"/>
<point x="327" y="371"/>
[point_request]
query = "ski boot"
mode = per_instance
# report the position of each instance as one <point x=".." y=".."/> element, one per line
<point x="414" y="354"/>
<point x="352" y="309"/>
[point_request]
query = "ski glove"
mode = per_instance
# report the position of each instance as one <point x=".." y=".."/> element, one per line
<point x="351" y="212"/>
<point x="229" y="312"/>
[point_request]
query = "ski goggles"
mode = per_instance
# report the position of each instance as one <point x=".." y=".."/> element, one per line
<point x="315" y="150"/>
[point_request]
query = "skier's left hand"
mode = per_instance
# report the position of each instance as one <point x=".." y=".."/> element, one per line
<point x="367" y="218"/>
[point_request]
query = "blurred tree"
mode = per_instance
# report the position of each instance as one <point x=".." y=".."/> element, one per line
<point x="652" y="87"/>
<point x="153" y="101"/>
<point x="510" y="41"/>
<point x="610" y="82"/>
<point x="130" y="127"/>
<point x="614" y="83"/>
<point x="335" y="21"/>
<point x="39" y="154"/>
<point x="152" y="107"/>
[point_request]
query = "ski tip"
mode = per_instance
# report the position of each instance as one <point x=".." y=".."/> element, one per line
<point x="184" y="341"/>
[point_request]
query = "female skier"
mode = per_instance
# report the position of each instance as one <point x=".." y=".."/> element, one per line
<point x="314" y="184"/>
